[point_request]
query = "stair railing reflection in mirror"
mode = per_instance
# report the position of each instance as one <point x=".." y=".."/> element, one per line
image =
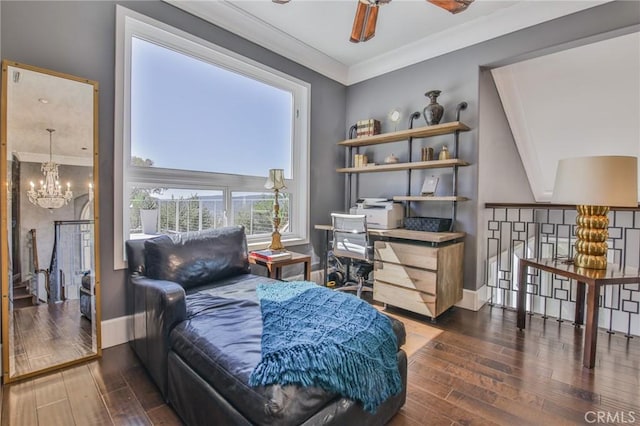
<point x="544" y="231"/>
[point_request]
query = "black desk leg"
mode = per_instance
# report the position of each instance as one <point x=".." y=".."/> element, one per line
<point x="522" y="294"/>
<point x="326" y="256"/>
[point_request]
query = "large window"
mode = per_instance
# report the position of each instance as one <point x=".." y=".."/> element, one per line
<point x="197" y="130"/>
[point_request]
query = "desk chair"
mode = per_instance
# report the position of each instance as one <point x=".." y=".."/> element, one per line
<point x="351" y="240"/>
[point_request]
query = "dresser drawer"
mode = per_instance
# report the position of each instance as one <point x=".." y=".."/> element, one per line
<point x="406" y="276"/>
<point x="415" y="301"/>
<point x="407" y="254"/>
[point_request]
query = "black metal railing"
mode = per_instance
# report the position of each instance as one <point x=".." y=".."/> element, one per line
<point x="548" y="231"/>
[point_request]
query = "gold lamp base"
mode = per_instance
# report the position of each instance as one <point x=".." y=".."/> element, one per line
<point x="591" y="237"/>
<point x="276" y="244"/>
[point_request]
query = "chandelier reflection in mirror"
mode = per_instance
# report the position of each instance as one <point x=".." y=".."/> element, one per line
<point x="49" y="195"/>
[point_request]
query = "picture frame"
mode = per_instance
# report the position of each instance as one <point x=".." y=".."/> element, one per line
<point x="429" y="186"/>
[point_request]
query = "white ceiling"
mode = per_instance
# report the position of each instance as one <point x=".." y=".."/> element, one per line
<point x="68" y="110"/>
<point x="315" y="33"/>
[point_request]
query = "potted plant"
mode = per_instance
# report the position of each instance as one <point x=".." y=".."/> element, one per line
<point x="148" y="214"/>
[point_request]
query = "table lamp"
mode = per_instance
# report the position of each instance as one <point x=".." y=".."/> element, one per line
<point x="594" y="184"/>
<point x="275" y="181"/>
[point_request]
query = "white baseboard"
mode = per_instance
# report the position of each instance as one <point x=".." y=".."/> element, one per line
<point x="473" y="300"/>
<point x="115" y="331"/>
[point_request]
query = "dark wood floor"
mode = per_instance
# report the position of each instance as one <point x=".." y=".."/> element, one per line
<point x="480" y="370"/>
<point x="49" y="334"/>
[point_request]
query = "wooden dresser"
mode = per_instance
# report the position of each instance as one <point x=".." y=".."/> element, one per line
<point x="423" y="279"/>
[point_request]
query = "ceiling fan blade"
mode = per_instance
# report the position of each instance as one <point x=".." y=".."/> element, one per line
<point x="453" y="6"/>
<point x="364" y="22"/>
<point x="370" y="26"/>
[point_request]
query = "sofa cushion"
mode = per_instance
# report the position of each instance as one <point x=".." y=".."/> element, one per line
<point x="221" y="342"/>
<point x="198" y="258"/>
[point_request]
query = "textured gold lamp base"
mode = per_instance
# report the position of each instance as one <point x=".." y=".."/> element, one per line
<point x="276" y="244"/>
<point x="592" y="233"/>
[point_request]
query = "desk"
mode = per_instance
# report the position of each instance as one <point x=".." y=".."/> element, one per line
<point x="274" y="267"/>
<point x="591" y="278"/>
<point x="402" y="234"/>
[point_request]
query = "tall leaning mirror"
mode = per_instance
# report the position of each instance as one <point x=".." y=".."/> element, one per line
<point x="49" y="233"/>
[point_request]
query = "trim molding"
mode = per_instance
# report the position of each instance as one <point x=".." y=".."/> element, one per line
<point x="232" y="18"/>
<point x="116" y="331"/>
<point x="473" y="300"/>
<point x="226" y="15"/>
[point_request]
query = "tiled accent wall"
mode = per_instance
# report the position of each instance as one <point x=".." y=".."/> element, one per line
<point x="544" y="231"/>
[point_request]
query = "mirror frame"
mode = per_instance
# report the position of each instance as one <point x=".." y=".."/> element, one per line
<point x="4" y="230"/>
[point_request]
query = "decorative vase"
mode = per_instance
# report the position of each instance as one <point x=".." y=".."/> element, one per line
<point x="444" y="153"/>
<point x="433" y="111"/>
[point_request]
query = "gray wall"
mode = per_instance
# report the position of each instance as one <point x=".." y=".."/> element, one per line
<point x="78" y="37"/>
<point x="457" y="74"/>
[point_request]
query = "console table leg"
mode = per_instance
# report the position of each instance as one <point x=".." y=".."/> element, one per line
<point x="579" y="319"/>
<point x="591" y="329"/>
<point x="522" y="294"/>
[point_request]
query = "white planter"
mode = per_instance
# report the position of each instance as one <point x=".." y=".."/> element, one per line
<point x="149" y="219"/>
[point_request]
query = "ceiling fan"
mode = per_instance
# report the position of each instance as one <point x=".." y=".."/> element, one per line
<point x="364" y="23"/>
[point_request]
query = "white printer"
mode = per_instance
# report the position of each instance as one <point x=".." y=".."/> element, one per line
<point x="381" y="213"/>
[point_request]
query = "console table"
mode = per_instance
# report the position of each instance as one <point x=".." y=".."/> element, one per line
<point x="591" y="278"/>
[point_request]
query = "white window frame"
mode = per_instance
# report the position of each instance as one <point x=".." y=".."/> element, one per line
<point x="132" y="24"/>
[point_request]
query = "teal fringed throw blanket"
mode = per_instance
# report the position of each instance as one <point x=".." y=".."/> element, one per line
<point x="313" y="336"/>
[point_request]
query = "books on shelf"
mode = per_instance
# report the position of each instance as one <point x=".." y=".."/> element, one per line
<point x="368" y="127"/>
<point x="270" y="254"/>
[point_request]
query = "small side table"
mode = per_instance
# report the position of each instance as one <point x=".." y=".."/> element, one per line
<point x="590" y="280"/>
<point x="275" y="266"/>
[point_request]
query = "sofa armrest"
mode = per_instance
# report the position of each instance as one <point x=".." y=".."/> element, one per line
<point x="158" y="306"/>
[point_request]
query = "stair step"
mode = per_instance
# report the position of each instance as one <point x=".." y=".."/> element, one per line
<point x="22" y="303"/>
<point x="21" y="296"/>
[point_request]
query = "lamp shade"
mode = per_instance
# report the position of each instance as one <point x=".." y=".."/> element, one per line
<point x="610" y="181"/>
<point x="275" y="179"/>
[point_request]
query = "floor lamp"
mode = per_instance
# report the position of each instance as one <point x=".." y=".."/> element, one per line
<point x="275" y="181"/>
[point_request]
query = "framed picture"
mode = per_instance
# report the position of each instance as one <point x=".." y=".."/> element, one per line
<point x="429" y="185"/>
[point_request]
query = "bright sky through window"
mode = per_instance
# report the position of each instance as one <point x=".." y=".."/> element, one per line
<point x="188" y="114"/>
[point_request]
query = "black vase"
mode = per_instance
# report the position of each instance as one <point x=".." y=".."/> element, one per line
<point x="433" y="111"/>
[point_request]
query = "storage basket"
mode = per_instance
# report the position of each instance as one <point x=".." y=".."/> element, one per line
<point x="428" y="224"/>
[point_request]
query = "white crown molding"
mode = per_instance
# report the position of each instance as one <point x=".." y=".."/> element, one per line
<point x="225" y="15"/>
<point x="521" y="15"/>
<point x="63" y="160"/>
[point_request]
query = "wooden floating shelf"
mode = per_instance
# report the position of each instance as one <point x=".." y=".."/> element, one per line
<point x="435" y="164"/>
<point x="420" y="132"/>
<point x="428" y="198"/>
